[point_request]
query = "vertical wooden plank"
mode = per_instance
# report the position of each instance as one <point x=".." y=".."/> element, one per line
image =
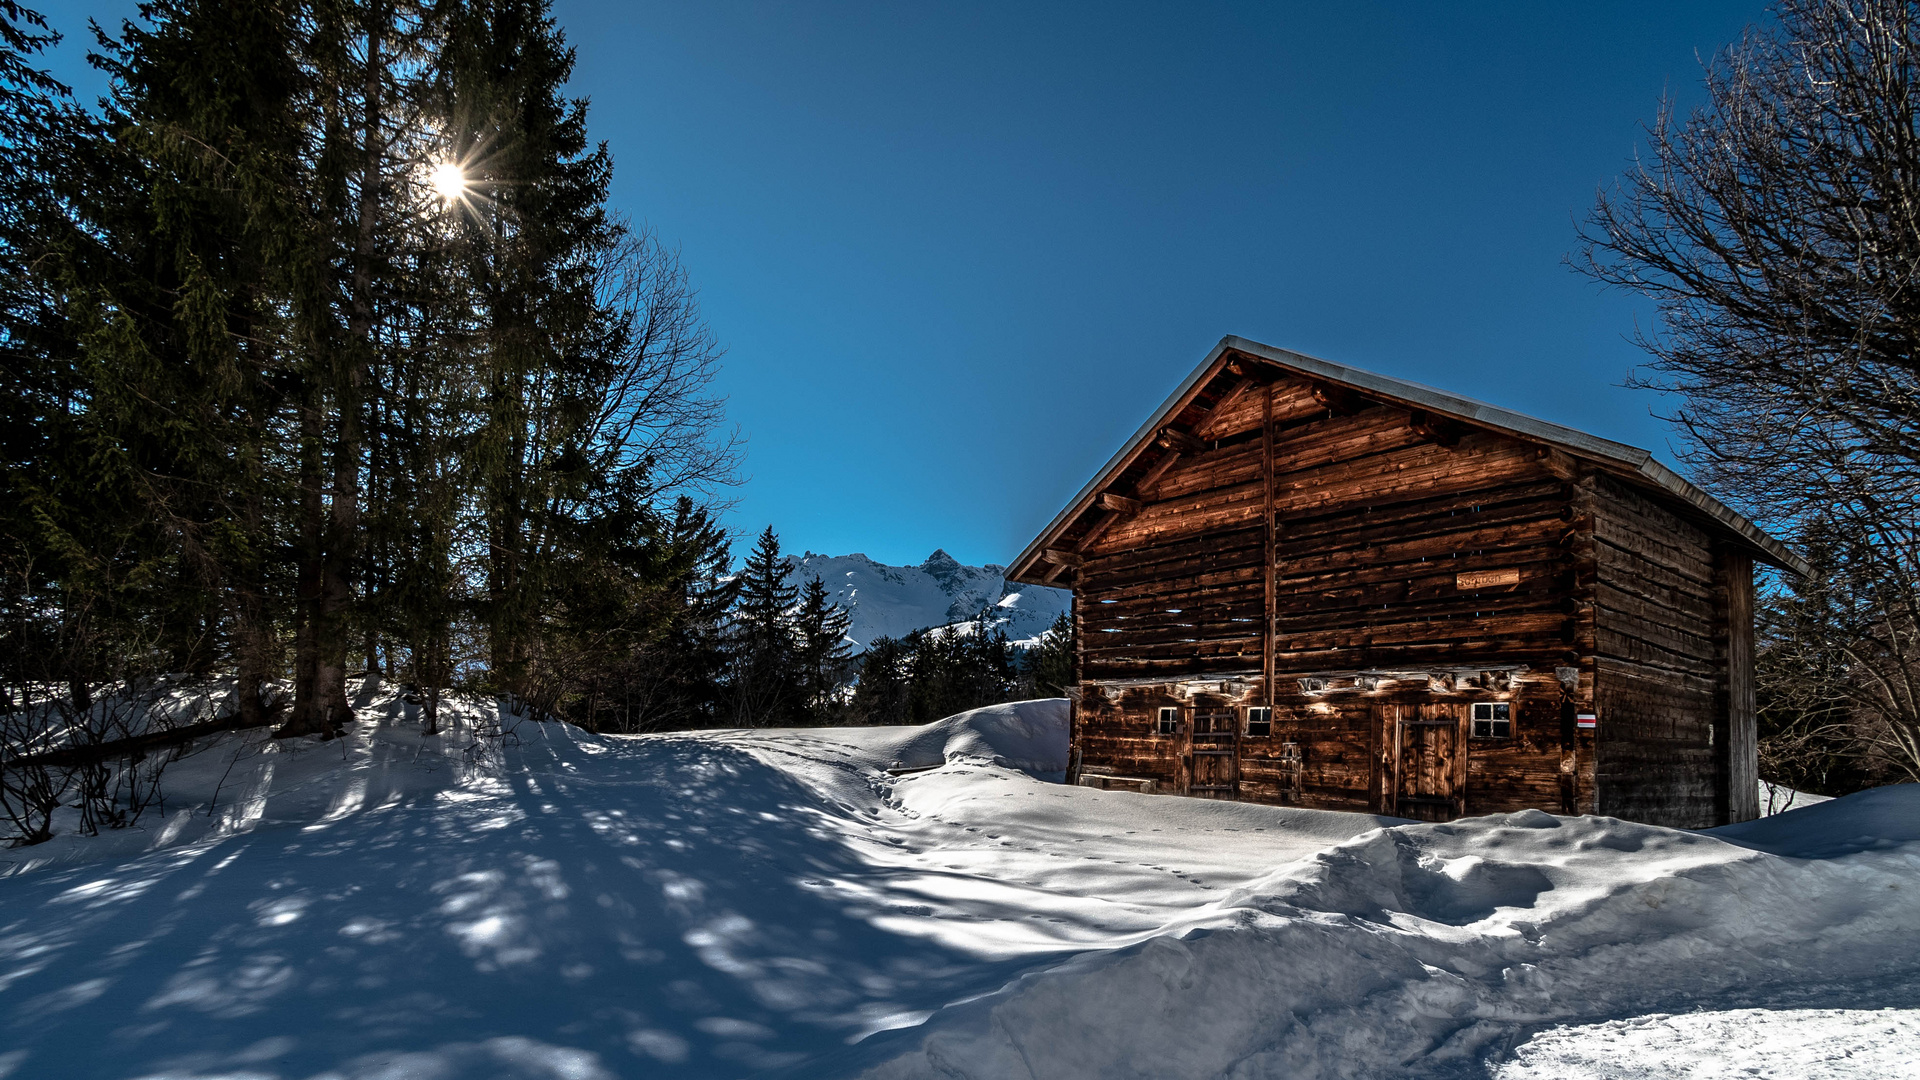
<point x="1393" y="800"/>
<point x="1461" y="746"/>
<point x="1586" y="577"/>
<point x="1266" y="482"/>
<point x="1743" y="736"/>
<point x="1075" y="736"/>
<point x="1185" y="745"/>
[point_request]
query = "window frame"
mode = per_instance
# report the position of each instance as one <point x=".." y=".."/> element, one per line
<point x="1498" y="721"/>
<point x="1168" y="720"/>
<point x="1247" y="721"/>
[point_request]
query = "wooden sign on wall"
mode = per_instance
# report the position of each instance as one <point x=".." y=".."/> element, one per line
<point x="1486" y="579"/>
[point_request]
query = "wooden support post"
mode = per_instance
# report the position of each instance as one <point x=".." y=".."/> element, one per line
<point x="1582" y="646"/>
<point x="1743" y="737"/>
<point x="1076" y="720"/>
<point x="1266" y="483"/>
<point x="1121" y="503"/>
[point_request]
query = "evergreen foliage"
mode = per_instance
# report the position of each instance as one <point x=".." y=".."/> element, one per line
<point x="822" y="655"/>
<point x="277" y="404"/>
<point x="931" y="674"/>
<point x="763" y="676"/>
<point x="1046" y="669"/>
<point x="282" y="402"/>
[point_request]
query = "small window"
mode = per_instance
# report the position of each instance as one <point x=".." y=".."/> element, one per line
<point x="1169" y="721"/>
<point x="1259" y="720"/>
<point x="1492" y="720"/>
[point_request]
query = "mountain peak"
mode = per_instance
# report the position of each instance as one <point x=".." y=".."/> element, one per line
<point x="940" y="562"/>
<point x="894" y="601"/>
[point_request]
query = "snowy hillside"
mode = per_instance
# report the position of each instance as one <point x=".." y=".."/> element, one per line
<point x="521" y="900"/>
<point x="893" y="601"/>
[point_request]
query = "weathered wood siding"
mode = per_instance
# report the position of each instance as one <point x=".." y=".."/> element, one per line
<point x="1373" y="523"/>
<point x="1293" y="545"/>
<point x="1662" y="623"/>
<point x="1343" y="743"/>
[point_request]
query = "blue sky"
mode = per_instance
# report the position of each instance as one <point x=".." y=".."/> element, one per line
<point x="958" y="252"/>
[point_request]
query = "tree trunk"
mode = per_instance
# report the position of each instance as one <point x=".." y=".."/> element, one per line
<point x="307" y="717"/>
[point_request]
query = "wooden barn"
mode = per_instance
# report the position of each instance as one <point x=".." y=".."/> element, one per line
<point x="1306" y="584"/>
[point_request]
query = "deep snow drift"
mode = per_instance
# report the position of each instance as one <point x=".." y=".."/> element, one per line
<point x="526" y="900"/>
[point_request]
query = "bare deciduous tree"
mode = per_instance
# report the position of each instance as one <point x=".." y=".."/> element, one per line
<point x="1777" y="229"/>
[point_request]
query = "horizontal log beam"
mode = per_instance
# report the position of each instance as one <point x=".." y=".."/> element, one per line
<point x="1438" y="428"/>
<point x="1175" y="439"/>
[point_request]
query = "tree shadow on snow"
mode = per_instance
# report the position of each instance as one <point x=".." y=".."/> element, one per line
<point x="674" y="908"/>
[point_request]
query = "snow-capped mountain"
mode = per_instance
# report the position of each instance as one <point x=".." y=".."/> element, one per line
<point x="893" y="601"/>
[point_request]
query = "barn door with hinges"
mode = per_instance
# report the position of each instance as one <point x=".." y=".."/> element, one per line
<point x="1424" y="761"/>
<point x="1214" y="764"/>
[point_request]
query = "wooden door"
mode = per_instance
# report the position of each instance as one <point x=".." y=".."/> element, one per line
<point x="1214" y="749"/>
<point x="1424" y="761"/>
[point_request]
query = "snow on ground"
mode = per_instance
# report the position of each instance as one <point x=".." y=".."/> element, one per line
<point x="1805" y="1044"/>
<point x="1779" y="798"/>
<point x="528" y="900"/>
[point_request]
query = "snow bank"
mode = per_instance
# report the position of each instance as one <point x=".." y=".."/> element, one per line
<point x="1030" y="736"/>
<point x="1806" y="1044"/>
<point x="1420" y="946"/>
<point x="523" y="900"/>
<point x="1779" y="798"/>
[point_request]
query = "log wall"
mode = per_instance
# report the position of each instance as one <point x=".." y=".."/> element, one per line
<point x="1356" y="566"/>
<point x="1373" y="524"/>
<point x="1672" y="606"/>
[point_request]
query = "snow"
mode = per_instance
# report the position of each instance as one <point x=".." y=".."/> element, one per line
<point x="894" y="601"/>
<point x="1779" y="798"/>
<point x="517" y="899"/>
<point x="1807" y="1044"/>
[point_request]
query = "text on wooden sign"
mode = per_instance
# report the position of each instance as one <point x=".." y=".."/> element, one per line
<point x="1485" y="579"/>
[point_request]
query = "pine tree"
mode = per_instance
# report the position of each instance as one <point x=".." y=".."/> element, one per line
<point x="763" y="675"/>
<point x="823" y="656"/>
<point x="674" y="679"/>
<point x="262" y="386"/>
<point x="1046" y="668"/>
<point x="885" y="686"/>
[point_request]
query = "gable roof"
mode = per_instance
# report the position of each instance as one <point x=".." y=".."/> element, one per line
<point x="1629" y="462"/>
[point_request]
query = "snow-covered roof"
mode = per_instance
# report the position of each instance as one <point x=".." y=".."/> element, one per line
<point x="1630" y="462"/>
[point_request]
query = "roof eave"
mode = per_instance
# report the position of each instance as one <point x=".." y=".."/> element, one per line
<point x="1630" y="459"/>
<point x="1023" y="564"/>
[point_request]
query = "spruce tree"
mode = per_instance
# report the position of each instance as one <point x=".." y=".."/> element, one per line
<point x="262" y="386"/>
<point x="1046" y="668"/>
<point x="674" y="678"/>
<point x="763" y="675"/>
<point x="530" y="235"/>
<point x="823" y="656"/>
<point x="885" y="684"/>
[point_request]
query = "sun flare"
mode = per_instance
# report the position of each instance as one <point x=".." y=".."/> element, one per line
<point x="450" y="180"/>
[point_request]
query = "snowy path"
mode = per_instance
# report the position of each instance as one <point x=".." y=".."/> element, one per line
<point x="723" y="904"/>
